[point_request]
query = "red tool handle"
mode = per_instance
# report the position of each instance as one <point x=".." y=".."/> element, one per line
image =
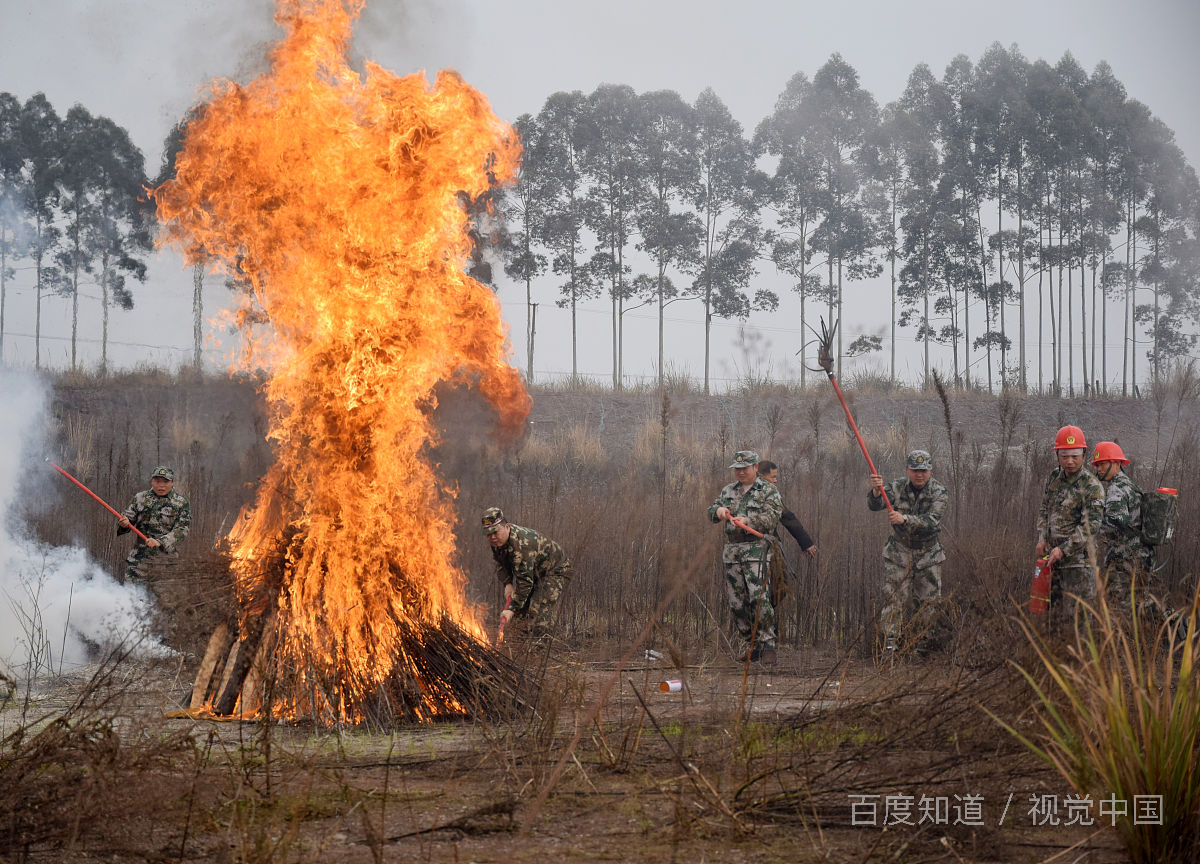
<point x="739" y="523"/>
<point x="500" y="632"/>
<point x="854" y="429"/>
<point x="103" y="503"/>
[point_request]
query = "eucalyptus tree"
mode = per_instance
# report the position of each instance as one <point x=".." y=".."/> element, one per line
<point x="107" y="215"/>
<point x="14" y="226"/>
<point x="124" y="221"/>
<point x="1104" y="103"/>
<point x="789" y="135"/>
<point x="844" y="117"/>
<point x="1136" y="121"/>
<point x="726" y="200"/>
<point x="41" y="143"/>
<point x="613" y="168"/>
<point x="77" y="186"/>
<point x="1002" y="117"/>
<point x="914" y="125"/>
<point x="963" y="190"/>
<point x="563" y="188"/>
<point x="172" y="146"/>
<point x="1044" y="157"/>
<point x="524" y="208"/>
<point x="1075" y="130"/>
<point x="883" y="197"/>
<point x="665" y="138"/>
<point x="1169" y="226"/>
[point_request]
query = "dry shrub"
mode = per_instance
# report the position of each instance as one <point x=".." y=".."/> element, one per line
<point x="81" y="778"/>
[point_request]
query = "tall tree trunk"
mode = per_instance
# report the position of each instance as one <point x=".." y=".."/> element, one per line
<point x="1156" y="366"/>
<point x="803" y="296"/>
<point x="966" y="313"/>
<point x="892" y="256"/>
<point x="1055" y="319"/>
<point x="74" y="315"/>
<point x="1129" y="210"/>
<point x="1000" y="271"/>
<point x="37" y="318"/>
<point x="532" y="340"/>
<point x="104" y="315"/>
<point x="1133" y="316"/>
<point x="1083" y="319"/>
<point x="1021" y="375"/>
<point x="574" y="315"/>
<point x="198" y="315"/>
<point x="987" y="302"/>
<point x="925" y="291"/>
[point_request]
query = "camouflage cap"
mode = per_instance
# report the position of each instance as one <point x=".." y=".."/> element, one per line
<point x="493" y="518"/>
<point x="920" y="460"/>
<point x="744" y="459"/>
<point x="164" y="472"/>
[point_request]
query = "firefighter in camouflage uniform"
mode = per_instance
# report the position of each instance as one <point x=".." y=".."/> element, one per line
<point x="533" y="569"/>
<point x="755" y="503"/>
<point x="163" y="515"/>
<point x="1068" y="524"/>
<point x="913" y="554"/>
<point x="1122" y="553"/>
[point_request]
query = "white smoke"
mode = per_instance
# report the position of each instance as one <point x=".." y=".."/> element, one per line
<point x="58" y="607"/>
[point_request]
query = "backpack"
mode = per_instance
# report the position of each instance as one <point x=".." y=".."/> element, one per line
<point x="1158" y="515"/>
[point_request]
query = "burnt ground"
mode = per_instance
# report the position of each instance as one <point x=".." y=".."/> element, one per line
<point x="741" y="765"/>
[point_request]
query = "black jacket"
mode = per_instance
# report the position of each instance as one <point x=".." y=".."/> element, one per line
<point x="789" y="521"/>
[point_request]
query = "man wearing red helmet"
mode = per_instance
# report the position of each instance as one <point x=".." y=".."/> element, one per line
<point x="1122" y="553"/>
<point x="1068" y="524"/>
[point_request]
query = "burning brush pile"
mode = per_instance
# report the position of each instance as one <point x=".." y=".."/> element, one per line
<point x="338" y="199"/>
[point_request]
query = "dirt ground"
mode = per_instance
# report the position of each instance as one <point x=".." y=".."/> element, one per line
<point x="740" y="765"/>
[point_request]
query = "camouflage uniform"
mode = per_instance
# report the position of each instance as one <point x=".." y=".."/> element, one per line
<point x="747" y="558"/>
<point x="538" y="569"/>
<point x="913" y="553"/>
<point x="166" y="518"/>
<point x="1069" y="518"/>
<point x="1122" y="552"/>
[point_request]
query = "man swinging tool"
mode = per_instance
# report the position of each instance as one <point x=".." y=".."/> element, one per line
<point x="913" y="554"/>
<point x="160" y="517"/>
<point x="750" y="507"/>
<point x="914" y="546"/>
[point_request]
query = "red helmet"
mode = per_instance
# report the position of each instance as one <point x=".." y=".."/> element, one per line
<point x="1069" y="438"/>
<point x="1108" y="451"/>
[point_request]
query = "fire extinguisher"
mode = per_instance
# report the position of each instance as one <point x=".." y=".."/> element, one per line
<point x="1039" y="592"/>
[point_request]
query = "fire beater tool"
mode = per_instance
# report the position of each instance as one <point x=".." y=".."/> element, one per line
<point x="103" y="503"/>
<point x="739" y="523"/>
<point x="825" y="360"/>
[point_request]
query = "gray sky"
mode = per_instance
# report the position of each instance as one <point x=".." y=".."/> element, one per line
<point x="142" y="62"/>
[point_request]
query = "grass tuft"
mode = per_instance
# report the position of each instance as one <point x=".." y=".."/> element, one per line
<point x="1120" y="718"/>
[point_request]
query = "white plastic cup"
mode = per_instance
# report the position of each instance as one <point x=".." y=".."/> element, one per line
<point x="672" y="686"/>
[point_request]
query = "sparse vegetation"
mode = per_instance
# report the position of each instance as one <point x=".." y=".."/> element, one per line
<point x="746" y="762"/>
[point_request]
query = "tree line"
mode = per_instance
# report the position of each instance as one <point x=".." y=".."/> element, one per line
<point x="1008" y="203"/>
<point x="1005" y="189"/>
<point x="72" y="204"/>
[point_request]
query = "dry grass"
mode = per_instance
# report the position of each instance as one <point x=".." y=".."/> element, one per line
<point x="622" y="482"/>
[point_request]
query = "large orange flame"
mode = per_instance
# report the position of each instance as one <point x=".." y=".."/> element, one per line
<point x="338" y="199"/>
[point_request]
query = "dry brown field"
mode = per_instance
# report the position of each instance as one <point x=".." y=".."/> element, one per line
<point x="743" y="764"/>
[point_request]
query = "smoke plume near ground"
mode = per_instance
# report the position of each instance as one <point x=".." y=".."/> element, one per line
<point x="57" y="606"/>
